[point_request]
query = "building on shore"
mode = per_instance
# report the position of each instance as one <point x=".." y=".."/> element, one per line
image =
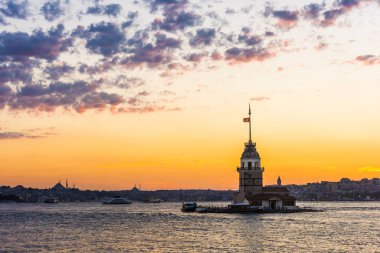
<point x="251" y="190"/>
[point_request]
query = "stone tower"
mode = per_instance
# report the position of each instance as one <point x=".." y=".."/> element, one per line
<point x="250" y="170"/>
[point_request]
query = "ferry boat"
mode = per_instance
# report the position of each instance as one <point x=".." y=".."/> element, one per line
<point x="51" y="200"/>
<point x="117" y="200"/>
<point x="189" y="207"/>
<point x="153" y="200"/>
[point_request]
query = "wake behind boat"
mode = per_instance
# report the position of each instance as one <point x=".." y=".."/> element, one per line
<point x="117" y="200"/>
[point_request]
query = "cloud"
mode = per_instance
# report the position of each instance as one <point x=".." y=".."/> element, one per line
<point x="79" y="96"/>
<point x="204" y="36"/>
<point x="312" y="11"/>
<point x="13" y="9"/>
<point x="341" y="7"/>
<point x="15" y="72"/>
<point x="2" y="21"/>
<point x="132" y="16"/>
<point x="17" y="135"/>
<point x="287" y="19"/>
<point x="176" y="21"/>
<point x="241" y="55"/>
<point x="260" y="98"/>
<point x="368" y="59"/>
<point x="250" y="40"/>
<point x="52" y="10"/>
<point x="33" y="133"/>
<point x="152" y="55"/>
<point x="56" y="71"/>
<point x="110" y="9"/>
<point x="330" y="16"/>
<point x="124" y="82"/>
<point x="21" y="46"/>
<point x="103" y="38"/>
<point x="195" y="57"/>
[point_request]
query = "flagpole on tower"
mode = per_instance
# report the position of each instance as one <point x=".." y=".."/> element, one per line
<point x="249" y="112"/>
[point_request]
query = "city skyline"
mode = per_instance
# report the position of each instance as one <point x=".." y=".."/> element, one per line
<point x="108" y="94"/>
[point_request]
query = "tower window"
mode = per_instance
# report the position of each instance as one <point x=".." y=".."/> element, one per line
<point x="249" y="165"/>
<point x="256" y="165"/>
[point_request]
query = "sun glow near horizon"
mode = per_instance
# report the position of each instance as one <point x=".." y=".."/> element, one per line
<point x="162" y="103"/>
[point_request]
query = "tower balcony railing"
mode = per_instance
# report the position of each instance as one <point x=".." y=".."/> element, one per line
<point x="252" y="168"/>
<point x="249" y="143"/>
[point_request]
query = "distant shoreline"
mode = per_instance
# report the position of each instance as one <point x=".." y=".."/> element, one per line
<point x="344" y="190"/>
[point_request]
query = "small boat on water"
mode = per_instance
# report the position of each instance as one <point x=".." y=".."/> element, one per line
<point x="153" y="200"/>
<point x="116" y="200"/>
<point x="189" y="207"/>
<point x="51" y="200"/>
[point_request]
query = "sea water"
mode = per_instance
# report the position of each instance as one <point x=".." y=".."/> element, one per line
<point x="162" y="227"/>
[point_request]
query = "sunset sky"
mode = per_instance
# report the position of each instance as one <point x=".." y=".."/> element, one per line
<point x="109" y="94"/>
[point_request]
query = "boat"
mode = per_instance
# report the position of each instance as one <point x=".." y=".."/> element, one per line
<point x="116" y="200"/>
<point x="152" y="200"/>
<point x="189" y="207"/>
<point x="51" y="200"/>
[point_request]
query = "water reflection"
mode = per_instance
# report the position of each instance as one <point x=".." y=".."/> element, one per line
<point x="85" y="227"/>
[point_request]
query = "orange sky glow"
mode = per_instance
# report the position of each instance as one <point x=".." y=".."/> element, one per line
<point x="168" y="113"/>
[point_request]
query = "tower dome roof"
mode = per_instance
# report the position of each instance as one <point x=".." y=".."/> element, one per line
<point x="250" y="151"/>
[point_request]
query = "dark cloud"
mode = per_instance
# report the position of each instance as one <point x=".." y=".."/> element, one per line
<point x="330" y="16"/>
<point x="55" y="72"/>
<point x="20" y="46"/>
<point x="2" y="21"/>
<point x="126" y="24"/>
<point x="152" y="54"/>
<point x="103" y="38"/>
<point x="15" y="72"/>
<point x="204" y="36"/>
<point x="98" y="101"/>
<point x="285" y="15"/>
<point x="98" y="68"/>
<point x="240" y="55"/>
<point x="132" y="15"/>
<point x="341" y="8"/>
<point x="312" y="11"/>
<point x="250" y="40"/>
<point x="17" y="135"/>
<point x="177" y="21"/>
<point x="110" y="9"/>
<point x="287" y="19"/>
<point x="14" y="9"/>
<point x="349" y="3"/>
<point x="368" y="59"/>
<point x="5" y="90"/>
<point x="79" y="96"/>
<point x="52" y="10"/>
<point x="195" y="57"/>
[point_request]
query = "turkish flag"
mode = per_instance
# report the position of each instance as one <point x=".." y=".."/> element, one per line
<point x="246" y="120"/>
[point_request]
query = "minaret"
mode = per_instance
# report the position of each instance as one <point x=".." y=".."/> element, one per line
<point x="279" y="181"/>
<point x="67" y="184"/>
<point x="250" y="170"/>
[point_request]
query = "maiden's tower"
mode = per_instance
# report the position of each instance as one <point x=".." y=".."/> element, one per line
<point x="251" y="190"/>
